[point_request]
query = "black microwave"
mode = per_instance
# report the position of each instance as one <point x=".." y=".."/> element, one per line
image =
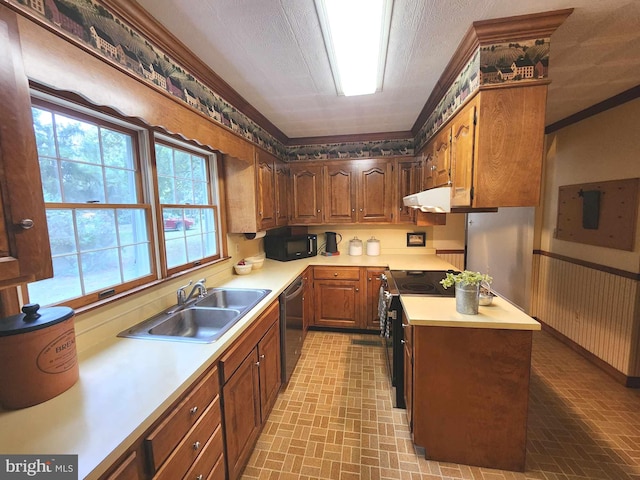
<point x="285" y="248"/>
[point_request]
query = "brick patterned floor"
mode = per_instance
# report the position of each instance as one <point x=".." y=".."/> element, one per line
<point x="335" y="421"/>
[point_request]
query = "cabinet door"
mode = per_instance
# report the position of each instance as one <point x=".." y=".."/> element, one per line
<point x="375" y="191"/>
<point x="337" y="303"/>
<point x="409" y="176"/>
<point x="282" y="193"/>
<point x="242" y="419"/>
<point x="307" y="301"/>
<point x="269" y="366"/>
<point x="408" y="385"/>
<point x="442" y="158"/>
<point x="306" y="192"/>
<point x="373" y="292"/>
<point x="462" y="145"/>
<point x="25" y="254"/>
<point x="428" y="175"/>
<point x="340" y="193"/>
<point x="266" y="177"/>
<point x="407" y="341"/>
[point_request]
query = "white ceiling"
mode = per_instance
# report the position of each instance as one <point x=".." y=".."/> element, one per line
<point x="272" y="53"/>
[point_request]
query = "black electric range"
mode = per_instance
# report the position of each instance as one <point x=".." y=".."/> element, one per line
<point x="394" y="284"/>
<point x="421" y="282"/>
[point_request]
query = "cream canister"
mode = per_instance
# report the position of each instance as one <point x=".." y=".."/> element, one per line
<point x="373" y="247"/>
<point x="355" y="246"/>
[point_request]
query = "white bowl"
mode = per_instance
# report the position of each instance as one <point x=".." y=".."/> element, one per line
<point x="255" y="263"/>
<point x="242" y="269"/>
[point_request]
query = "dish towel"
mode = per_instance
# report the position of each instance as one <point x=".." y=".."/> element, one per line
<point x="383" y="309"/>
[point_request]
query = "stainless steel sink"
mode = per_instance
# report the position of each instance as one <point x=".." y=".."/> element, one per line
<point x="231" y="298"/>
<point x="202" y="321"/>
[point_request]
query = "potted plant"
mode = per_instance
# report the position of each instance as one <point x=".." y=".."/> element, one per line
<point x="467" y="286"/>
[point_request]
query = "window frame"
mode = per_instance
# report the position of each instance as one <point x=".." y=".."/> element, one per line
<point x="214" y="186"/>
<point x="143" y="138"/>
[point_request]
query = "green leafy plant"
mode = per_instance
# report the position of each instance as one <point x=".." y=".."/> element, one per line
<point x="465" y="278"/>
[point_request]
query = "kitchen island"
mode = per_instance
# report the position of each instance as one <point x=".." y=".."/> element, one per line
<point x="468" y="381"/>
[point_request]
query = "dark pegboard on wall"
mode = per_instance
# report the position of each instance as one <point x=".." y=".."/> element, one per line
<point x="599" y="213"/>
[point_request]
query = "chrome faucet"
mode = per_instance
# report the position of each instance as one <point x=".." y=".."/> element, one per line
<point x="199" y="286"/>
<point x="182" y="296"/>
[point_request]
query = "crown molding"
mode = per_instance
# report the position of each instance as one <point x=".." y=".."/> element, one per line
<point x="487" y="32"/>
<point x="152" y="30"/>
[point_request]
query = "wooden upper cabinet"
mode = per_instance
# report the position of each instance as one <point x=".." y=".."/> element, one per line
<point x="266" y="196"/>
<point x="340" y="193"/>
<point x="428" y="170"/>
<point x="507" y="170"/>
<point x="306" y="194"/>
<point x="496" y="149"/>
<point x="25" y="254"/>
<point x="376" y="188"/>
<point x="462" y="143"/>
<point x="255" y="189"/>
<point x="409" y="182"/>
<point x="442" y="158"/>
<point x="282" y="193"/>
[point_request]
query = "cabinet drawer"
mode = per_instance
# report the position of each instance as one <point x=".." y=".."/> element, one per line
<point x="191" y="445"/>
<point x="338" y="273"/>
<point x="207" y="460"/>
<point x="166" y="436"/>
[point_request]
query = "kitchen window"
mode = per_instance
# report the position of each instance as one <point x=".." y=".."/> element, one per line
<point x="187" y="202"/>
<point x="120" y="215"/>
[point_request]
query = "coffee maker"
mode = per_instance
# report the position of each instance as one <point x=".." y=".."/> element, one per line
<point x="331" y="246"/>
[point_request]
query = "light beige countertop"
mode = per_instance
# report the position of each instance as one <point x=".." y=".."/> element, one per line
<point x="126" y="384"/>
<point x="441" y="312"/>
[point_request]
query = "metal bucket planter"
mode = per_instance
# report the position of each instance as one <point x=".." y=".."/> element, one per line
<point x="467" y="298"/>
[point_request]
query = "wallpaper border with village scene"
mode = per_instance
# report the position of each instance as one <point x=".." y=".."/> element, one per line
<point x="94" y="26"/>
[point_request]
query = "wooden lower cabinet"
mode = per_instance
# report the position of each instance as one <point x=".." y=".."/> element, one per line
<point x="251" y="377"/>
<point x="337" y="297"/>
<point x="186" y="442"/>
<point x="408" y="370"/>
<point x="307" y="301"/>
<point x="470" y="402"/>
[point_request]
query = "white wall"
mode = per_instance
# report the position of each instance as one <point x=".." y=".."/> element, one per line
<point x="603" y="147"/>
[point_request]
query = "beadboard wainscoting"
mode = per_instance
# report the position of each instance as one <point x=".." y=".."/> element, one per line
<point x="454" y="257"/>
<point x="593" y="307"/>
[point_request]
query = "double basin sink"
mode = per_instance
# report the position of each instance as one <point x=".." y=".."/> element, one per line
<point x="203" y="321"/>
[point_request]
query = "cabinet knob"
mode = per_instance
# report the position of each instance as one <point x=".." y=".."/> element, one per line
<point x="335" y="274"/>
<point x="361" y="209"/>
<point x="26" y="223"/>
<point x="200" y="477"/>
<point x="196" y="445"/>
<point x="262" y="356"/>
<point x="257" y="364"/>
<point x="357" y="289"/>
<point x="402" y="342"/>
<point x="193" y="410"/>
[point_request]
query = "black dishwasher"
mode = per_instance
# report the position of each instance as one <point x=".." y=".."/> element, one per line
<point x="291" y="308"/>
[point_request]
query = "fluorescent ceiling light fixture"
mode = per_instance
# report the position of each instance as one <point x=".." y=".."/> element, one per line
<point x="356" y="35"/>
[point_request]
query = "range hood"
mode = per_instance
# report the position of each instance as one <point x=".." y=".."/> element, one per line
<point x="434" y="200"/>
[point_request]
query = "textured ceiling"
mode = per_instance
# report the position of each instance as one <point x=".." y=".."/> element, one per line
<point x="272" y="53"/>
